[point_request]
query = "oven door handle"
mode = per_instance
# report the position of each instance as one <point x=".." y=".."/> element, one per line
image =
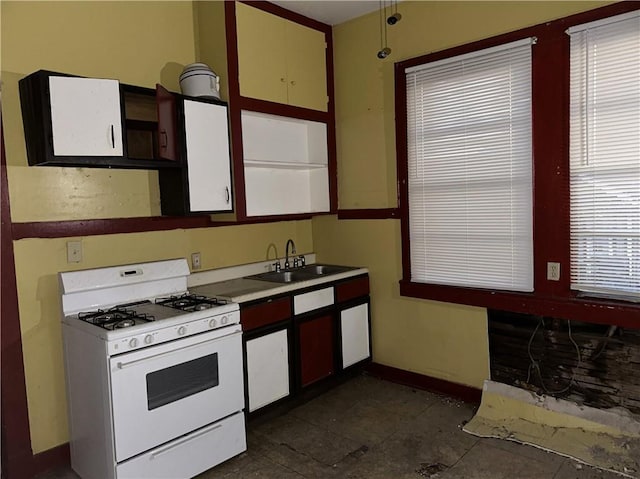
<point x="126" y="364"/>
<point x="179" y="443"/>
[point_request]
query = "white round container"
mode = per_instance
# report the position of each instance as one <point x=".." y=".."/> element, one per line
<point x="198" y="79"/>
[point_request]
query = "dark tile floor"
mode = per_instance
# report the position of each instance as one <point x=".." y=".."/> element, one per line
<point x="373" y="429"/>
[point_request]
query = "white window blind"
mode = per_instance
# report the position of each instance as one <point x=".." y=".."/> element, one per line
<point x="605" y="157"/>
<point x="470" y="169"/>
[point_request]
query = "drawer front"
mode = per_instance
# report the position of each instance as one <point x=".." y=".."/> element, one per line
<point x="189" y="455"/>
<point x="303" y="303"/>
<point x="265" y="313"/>
<point x="352" y="289"/>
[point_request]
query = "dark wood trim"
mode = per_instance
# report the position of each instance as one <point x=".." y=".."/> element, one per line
<point x="402" y="169"/>
<point x="235" y="117"/>
<point x="369" y="214"/>
<point x="588" y="310"/>
<point x="59" y="456"/>
<point x="289" y="15"/>
<point x="280" y="109"/>
<point x="331" y="125"/>
<point x="420" y="381"/>
<point x="551" y="218"/>
<point x="16" y="436"/>
<point x="65" y="229"/>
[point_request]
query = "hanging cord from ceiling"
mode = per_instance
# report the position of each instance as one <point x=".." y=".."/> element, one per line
<point x="384" y="51"/>
<point x="535" y="365"/>
<point x="387" y="18"/>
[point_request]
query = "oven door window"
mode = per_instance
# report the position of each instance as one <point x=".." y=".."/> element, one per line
<point x="182" y="380"/>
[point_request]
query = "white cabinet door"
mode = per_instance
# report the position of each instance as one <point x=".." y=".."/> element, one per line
<point x="354" y="324"/>
<point x="85" y="116"/>
<point x="208" y="158"/>
<point x="267" y="369"/>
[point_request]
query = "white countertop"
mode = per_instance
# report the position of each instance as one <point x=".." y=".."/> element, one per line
<point x="242" y="289"/>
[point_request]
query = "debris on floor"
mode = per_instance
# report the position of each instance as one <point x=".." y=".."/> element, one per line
<point x="431" y="470"/>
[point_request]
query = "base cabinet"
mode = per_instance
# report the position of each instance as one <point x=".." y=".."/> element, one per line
<point x="267" y="369"/>
<point x="296" y="344"/>
<point x="315" y="344"/>
<point x="354" y="334"/>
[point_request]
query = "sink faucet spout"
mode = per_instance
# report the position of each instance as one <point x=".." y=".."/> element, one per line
<point x="293" y="251"/>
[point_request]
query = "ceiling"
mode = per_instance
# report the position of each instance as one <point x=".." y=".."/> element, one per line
<point x="331" y="12"/>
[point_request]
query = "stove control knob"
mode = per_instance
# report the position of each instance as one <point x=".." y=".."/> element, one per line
<point x="148" y="339"/>
<point x="213" y="323"/>
<point x="182" y="330"/>
<point x="133" y="343"/>
<point x="224" y="320"/>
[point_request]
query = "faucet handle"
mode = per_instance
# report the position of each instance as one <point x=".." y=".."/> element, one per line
<point x="301" y="260"/>
<point x="276" y="266"/>
<point x="296" y="262"/>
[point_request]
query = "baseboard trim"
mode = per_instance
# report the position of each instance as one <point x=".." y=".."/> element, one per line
<point x="419" y="381"/>
<point x="59" y="456"/>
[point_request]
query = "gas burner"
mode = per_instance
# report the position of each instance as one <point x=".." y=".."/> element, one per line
<point x="125" y="323"/>
<point x="117" y="317"/>
<point x="190" y="302"/>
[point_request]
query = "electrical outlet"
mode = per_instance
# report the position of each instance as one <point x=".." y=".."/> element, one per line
<point x="74" y="251"/>
<point x="553" y="271"/>
<point x="195" y="261"/>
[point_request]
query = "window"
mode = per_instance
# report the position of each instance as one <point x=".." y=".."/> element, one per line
<point x="469" y="160"/>
<point x="605" y="156"/>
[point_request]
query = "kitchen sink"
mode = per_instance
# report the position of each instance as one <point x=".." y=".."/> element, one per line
<point x="282" y="276"/>
<point x="301" y="274"/>
<point x="323" y="269"/>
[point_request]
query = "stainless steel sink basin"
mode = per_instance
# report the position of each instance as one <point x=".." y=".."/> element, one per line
<point x="282" y="276"/>
<point x="301" y="274"/>
<point x="324" y="269"/>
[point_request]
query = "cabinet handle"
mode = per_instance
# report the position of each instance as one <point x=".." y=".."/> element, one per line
<point x="165" y="139"/>
<point x="226" y="190"/>
<point x="113" y="137"/>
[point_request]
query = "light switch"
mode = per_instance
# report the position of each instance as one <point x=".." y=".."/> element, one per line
<point x="74" y="251"/>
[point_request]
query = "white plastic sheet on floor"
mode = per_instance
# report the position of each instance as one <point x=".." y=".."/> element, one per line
<point x="607" y="439"/>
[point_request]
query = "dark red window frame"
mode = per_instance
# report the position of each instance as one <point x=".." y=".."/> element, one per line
<point x="550" y="106"/>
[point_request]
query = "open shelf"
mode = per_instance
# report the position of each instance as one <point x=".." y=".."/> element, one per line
<point x="282" y="165"/>
<point x="285" y="165"/>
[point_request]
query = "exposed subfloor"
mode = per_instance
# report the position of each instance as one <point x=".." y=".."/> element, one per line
<point x="374" y="429"/>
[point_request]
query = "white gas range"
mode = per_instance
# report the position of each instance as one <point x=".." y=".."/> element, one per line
<point x="154" y="374"/>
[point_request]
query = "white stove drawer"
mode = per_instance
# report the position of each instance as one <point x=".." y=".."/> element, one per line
<point x="189" y="455"/>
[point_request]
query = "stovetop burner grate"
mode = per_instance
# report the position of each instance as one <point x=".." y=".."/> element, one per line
<point x="190" y="302"/>
<point x="117" y="317"/>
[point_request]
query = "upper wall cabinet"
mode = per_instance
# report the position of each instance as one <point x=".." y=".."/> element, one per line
<point x="85" y="117"/>
<point x="280" y="60"/>
<point x="73" y="121"/>
<point x="204" y="184"/>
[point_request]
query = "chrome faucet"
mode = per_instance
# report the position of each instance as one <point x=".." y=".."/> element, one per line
<point x="286" y="249"/>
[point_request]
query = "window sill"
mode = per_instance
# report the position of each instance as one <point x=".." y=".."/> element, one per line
<point x="581" y="309"/>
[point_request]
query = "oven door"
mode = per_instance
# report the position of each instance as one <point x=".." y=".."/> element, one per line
<point x="165" y="391"/>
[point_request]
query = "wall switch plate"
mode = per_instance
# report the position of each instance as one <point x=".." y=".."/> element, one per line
<point x="553" y="271"/>
<point x="74" y="251"/>
<point x="195" y="261"/>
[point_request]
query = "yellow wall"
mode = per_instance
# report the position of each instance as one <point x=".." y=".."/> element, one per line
<point x="364" y="84"/>
<point x="139" y="43"/>
<point x="437" y="339"/>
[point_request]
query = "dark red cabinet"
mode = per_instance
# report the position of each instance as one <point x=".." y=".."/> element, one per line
<point x="316" y="349"/>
